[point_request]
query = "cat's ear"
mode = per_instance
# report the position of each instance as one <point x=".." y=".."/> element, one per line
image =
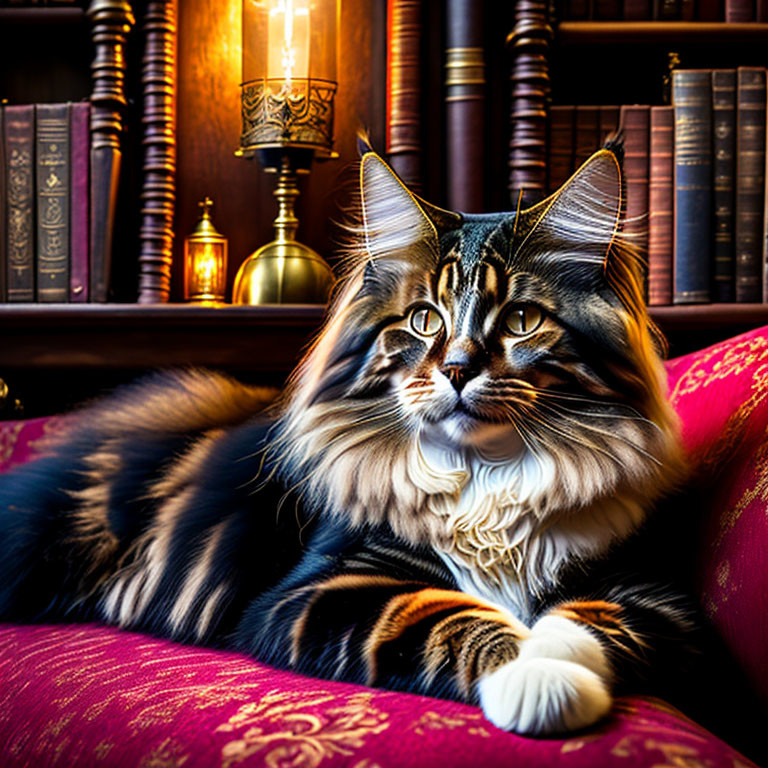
<point x="395" y="224"/>
<point x="582" y="217"/>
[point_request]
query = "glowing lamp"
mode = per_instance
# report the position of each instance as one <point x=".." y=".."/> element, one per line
<point x="288" y="90"/>
<point x="205" y="260"/>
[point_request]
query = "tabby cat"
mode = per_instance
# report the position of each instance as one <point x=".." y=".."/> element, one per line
<point x="437" y="504"/>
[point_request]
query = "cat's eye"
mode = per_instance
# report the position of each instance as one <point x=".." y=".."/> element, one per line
<point x="523" y="319"/>
<point x="426" y="321"/>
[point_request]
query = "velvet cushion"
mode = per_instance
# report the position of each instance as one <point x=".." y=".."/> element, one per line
<point x="91" y="696"/>
<point x="721" y="395"/>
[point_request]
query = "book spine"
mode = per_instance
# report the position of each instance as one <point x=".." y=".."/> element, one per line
<point x="739" y="11"/>
<point x="561" y="119"/>
<point x="609" y="123"/>
<point x="723" y="167"/>
<point x="761" y="12"/>
<point x="52" y="136"/>
<point x="660" y="206"/>
<point x="587" y="139"/>
<point x="3" y="217"/>
<point x="465" y="104"/>
<point x="20" y="192"/>
<point x="692" y="100"/>
<point x="403" y="131"/>
<point x="637" y="10"/>
<point x="687" y="10"/>
<point x="635" y="123"/>
<point x="750" y="177"/>
<point x="80" y="151"/>
<point x="710" y="10"/>
<point x="666" y="10"/>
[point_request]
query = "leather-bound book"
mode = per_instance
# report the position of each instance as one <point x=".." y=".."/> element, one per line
<point x="723" y="168"/>
<point x="750" y="181"/>
<point x="20" y="199"/>
<point x="635" y="124"/>
<point x="3" y="223"/>
<point x="79" y="221"/>
<point x="687" y="10"/>
<point x="710" y="10"/>
<point x="739" y="11"/>
<point x="609" y="122"/>
<point x="637" y="10"/>
<point x="465" y="104"/>
<point x="404" y="32"/>
<point x="660" y="205"/>
<point x="52" y="161"/>
<point x="561" y="138"/>
<point x="692" y="100"/>
<point x="587" y="133"/>
<point x="761" y="12"/>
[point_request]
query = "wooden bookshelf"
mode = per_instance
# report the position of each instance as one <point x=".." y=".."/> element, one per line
<point x="42" y="16"/>
<point x="661" y="32"/>
<point x="130" y="336"/>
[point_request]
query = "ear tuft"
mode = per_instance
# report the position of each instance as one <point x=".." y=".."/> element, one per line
<point x="583" y="215"/>
<point x="364" y="145"/>
<point x="395" y="224"/>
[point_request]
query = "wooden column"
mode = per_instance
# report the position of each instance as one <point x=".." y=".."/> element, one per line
<point x="528" y="44"/>
<point x="158" y="194"/>
<point x="111" y="21"/>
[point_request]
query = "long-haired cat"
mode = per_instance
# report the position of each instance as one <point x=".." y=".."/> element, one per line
<point x="437" y="502"/>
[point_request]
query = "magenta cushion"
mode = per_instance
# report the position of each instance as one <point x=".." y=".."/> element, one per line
<point x="90" y="696"/>
<point x="721" y="395"/>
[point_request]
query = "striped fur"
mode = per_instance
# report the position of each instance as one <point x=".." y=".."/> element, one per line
<point x="430" y="505"/>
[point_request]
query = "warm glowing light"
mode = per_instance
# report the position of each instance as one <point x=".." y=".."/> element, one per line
<point x="288" y="41"/>
<point x="205" y="269"/>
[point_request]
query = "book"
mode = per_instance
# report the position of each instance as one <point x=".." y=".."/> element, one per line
<point x="3" y="225"/>
<point x="52" y="162"/>
<point x="403" y="126"/>
<point x="739" y="11"/>
<point x="609" y="122"/>
<point x="465" y="105"/>
<point x="560" y="145"/>
<point x="577" y="10"/>
<point x="20" y="194"/>
<point x="660" y="205"/>
<point x="723" y="169"/>
<point x="692" y="267"/>
<point x="750" y="179"/>
<point x="587" y="133"/>
<point x="635" y="125"/>
<point x="80" y="150"/>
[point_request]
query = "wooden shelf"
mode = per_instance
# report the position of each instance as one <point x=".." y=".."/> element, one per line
<point x="133" y="336"/>
<point x="238" y="338"/>
<point x="666" y="32"/>
<point x="67" y="15"/>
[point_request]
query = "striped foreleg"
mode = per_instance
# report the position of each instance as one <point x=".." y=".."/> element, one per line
<point x="386" y="632"/>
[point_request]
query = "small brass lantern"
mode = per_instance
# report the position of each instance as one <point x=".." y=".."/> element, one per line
<point x="288" y="90"/>
<point x="205" y="260"/>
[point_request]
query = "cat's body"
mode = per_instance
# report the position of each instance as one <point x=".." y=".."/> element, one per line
<point x="439" y="503"/>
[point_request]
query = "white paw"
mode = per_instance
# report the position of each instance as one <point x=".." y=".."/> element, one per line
<point x="540" y="696"/>
<point x="559" y="681"/>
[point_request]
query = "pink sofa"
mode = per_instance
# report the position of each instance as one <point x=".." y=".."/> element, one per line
<point x="84" y="695"/>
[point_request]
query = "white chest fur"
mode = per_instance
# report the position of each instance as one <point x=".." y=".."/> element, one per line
<point x="506" y="543"/>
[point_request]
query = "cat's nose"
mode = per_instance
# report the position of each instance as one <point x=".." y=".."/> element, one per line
<point x="459" y="366"/>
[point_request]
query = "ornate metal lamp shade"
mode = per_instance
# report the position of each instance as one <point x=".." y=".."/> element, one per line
<point x="289" y="84"/>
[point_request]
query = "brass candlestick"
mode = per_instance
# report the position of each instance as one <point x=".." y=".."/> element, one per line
<point x="284" y="271"/>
